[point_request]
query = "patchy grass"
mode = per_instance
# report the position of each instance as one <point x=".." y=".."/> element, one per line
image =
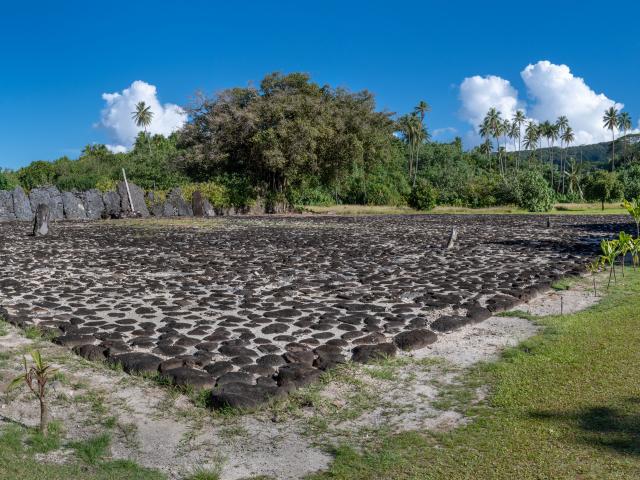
<point x="19" y="458"/>
<point x="558" y="209"/>
<point x="564" y="404"/>
<point x="92" y="450"/>
<point x="4" y="328"/>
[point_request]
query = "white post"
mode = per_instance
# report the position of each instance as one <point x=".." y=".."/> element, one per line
<point x="128" y="191"/>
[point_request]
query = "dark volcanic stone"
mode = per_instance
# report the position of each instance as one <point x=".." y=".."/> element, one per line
<point x="414" y="339"/>
<point x="297" y="375"/>
<point x="448" y="323"/>
<point x="93" y="204"/>
<point x="218" y="369"/>
<point x="41" y="220"/>
<point x="243" y="396"/>
<point x="235" y="377"/>
<point x="91" y="352"/>
<point x="72" y="340"/>
<point x="184" y="376"/>
<point x="367" y="353"/>
<point x="137" y="362"/>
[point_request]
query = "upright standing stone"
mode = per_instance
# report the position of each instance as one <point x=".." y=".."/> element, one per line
<point x="179" y="207"/>
<point x="93" y="204"/>
<point x="41" y="222"/>
<point x="73" y="206"/>
<point x="197" y="204"/>
<point x="6" y="206"/>
<point x="112" y="202"/>
<point x="137" y="198"/>
<point x="21" y="205"/>
<point x="51" y="196"/>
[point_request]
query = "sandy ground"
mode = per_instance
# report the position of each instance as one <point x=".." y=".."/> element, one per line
<point x="163" y="429"/>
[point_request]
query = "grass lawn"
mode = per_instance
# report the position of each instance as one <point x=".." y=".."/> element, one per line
<point x="559" y="209"/>
<point x="565" y="405"/>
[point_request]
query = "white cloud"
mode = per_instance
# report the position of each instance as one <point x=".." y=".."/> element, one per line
<point x="553" y="90"/>
<point x="116" y="115"/>
<point x="556" y="91"/>
<point x="446" y="131"/>
<point x="479" y="94"/>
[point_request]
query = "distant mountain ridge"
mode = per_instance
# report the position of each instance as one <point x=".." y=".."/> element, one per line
<point x="597" y="154"/>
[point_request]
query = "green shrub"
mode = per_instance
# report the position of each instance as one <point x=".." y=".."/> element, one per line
<point x="216" y="193"/>
<point x="604" y="187"/>
<point x="7" y="180"/>
<point x="423" y="196"/>
<point x="37" y="174"/>
<point x="533" y="192"/>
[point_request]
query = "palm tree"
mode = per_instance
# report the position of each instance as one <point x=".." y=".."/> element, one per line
<point x="562" y="123"/>
<point x="624" y="124"/>
<point x="574" y="178"/>
<point x="554" y="133"/>
<point x="517" y="122"/>
<point x="531" y="137"/>
<point x="610" y="122"/>
<point x="143" y="117"/>
<point x="422" y="109"/>
<point x="567" y="137"/>
<point x="414" y="135"/>
<point x="485" y="148"/>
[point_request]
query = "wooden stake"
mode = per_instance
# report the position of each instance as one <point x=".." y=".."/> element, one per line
<point x="124" y="175"/>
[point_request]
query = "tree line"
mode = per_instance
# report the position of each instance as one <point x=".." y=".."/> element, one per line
<point x="291" y="139"/>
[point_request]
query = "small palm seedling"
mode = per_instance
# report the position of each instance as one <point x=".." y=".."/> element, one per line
<point x="624" y="246"/>
<point x="633" y="208"/>
<point x="609" y="254"/>
<point x="634" y="250"/>
<point x="36" y="378"/>
<point x="594" y="267"/>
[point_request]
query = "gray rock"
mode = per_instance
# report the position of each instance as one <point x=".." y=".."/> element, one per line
<point x="415" y="339"/>
<point x="73" y="206"/>
<point x="93" y="204"/>
<point x="111" y="202"/>
<point x="41" y="221"/>
<point x="176" y="206"/>
<point x="135" y="362"/>
<point x="137" y="198"/>
<point x="197" y="204"/>
<point x="51" y="196"/>
<point x="367" y="353"/>
<point x="21" y="205"/>
<point x="6" y="206"/>
<point x="209" y="211"/>
<point x="244" y="396"/>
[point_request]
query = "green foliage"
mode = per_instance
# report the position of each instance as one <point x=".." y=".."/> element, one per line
<point x="37" y="174"/>
<point x="423" y="196"/>
<point x="604" y="187"/>
<point x="92" y="450"/>
<point x="533" y="192"/>
<point x="8" y="180"/>
<point x="630" y="179"/>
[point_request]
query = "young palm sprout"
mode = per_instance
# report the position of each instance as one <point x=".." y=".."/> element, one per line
<point x="624" y="246"/>
<point x="634" y="250"/>
<point x="633" y="207"/>
<point x="594" y="267"/>
<point x="609" y="254"/>
<point x="36" y="378"/>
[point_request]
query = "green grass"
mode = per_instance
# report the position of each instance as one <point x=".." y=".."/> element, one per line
<point x="18" y="460"/>
<point x="92" y="450"/>
<point x="558" y="209"/>
<point x="4" y="328"/>
<point x="564" y="405"/>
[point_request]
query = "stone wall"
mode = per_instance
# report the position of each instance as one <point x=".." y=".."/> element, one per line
<point x="94" y="204"/>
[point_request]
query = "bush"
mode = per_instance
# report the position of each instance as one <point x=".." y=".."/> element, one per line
<point x="604" y="187"/>
<point x="7" y="181"/>
<point x="217" y="194"/>
<point x="423" y="196"/>
<point x="533" y="192"/>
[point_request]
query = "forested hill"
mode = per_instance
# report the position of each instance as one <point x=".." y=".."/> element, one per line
<point x="597" y="154"/>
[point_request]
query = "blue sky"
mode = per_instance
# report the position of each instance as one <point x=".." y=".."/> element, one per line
<point x="58" y="58"/>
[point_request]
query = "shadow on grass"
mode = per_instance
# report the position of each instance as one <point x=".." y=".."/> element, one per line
<point x="617" y="428"/>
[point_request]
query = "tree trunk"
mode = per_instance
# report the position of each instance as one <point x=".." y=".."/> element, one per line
<point x="613" y="151"/>
<point x="44" y="417"/>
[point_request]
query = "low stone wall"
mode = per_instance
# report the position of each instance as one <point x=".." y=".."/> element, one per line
<point x="94" y="204"/>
